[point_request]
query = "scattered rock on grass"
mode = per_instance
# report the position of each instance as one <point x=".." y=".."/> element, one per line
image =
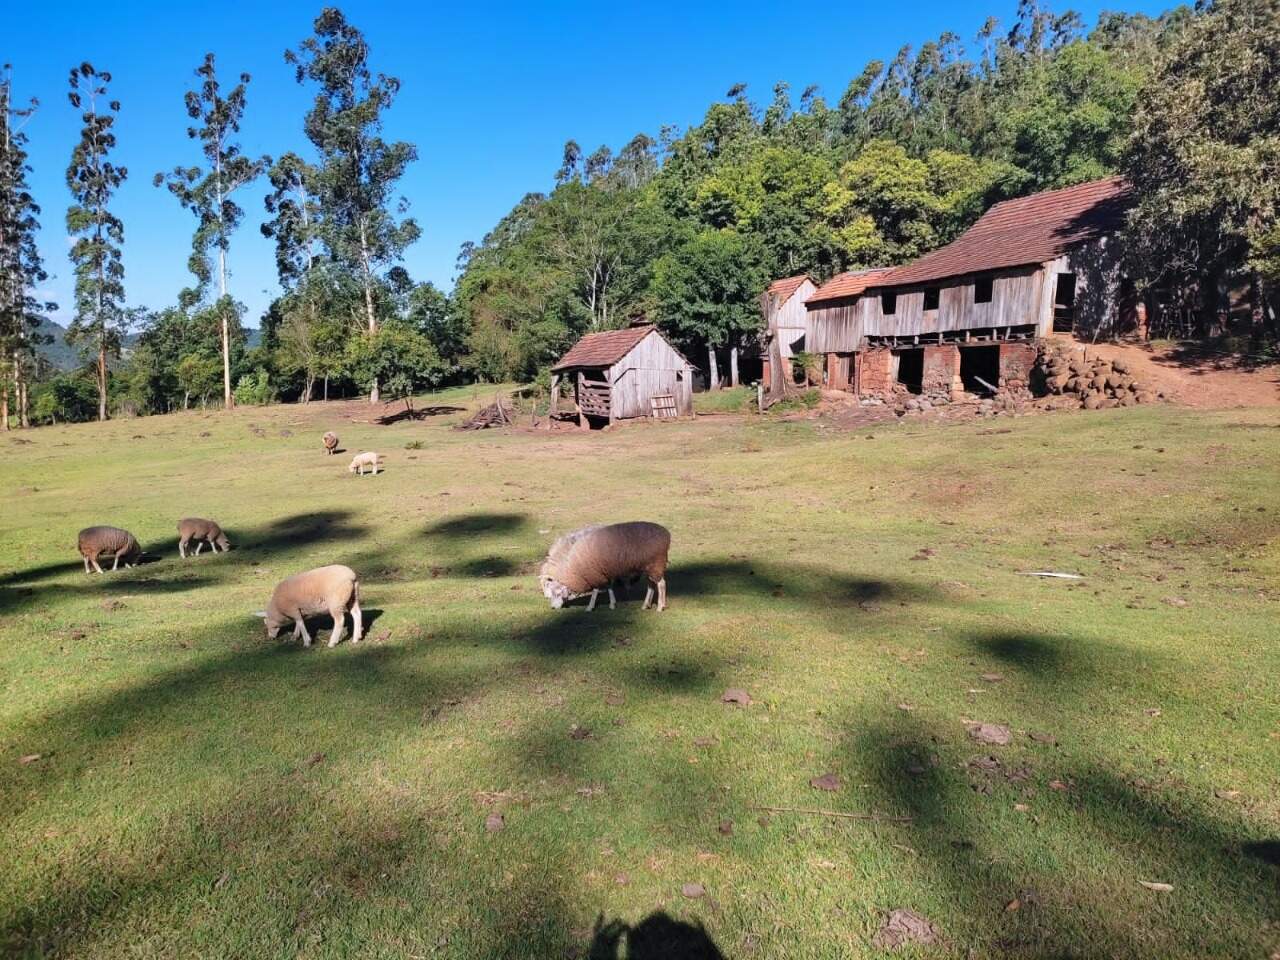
<point x="994" y="733"/>
<point x="828" y="781"/>
<point x="736" y="695"/>
<point x="1156" y="886"/>
<point x="726" y="827"/>
<point x="902" y="927"/>
<point x="693" y="890"/>
<point x="494" y="822"/>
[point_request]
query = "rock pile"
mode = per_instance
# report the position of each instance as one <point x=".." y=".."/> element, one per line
<point x="1096" y="384"/>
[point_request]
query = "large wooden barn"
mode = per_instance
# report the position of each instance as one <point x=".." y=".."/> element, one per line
<point x="963" y="317"/>
<point x="619" y="374"/>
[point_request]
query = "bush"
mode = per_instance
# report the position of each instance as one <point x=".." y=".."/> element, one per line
<point x="255" y="389"/>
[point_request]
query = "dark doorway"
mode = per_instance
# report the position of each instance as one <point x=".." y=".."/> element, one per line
<point x="979" y="364"/>
<point x="911" y="369"/>
<point x="1064" y="303"/>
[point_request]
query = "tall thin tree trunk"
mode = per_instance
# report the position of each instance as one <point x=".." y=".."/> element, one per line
<point x="228" y="397"/>
<point x="733" y="365"/>
<point x="713" y="371"/>
<point x="102" y="381"/>
<point x="368" y="296"/>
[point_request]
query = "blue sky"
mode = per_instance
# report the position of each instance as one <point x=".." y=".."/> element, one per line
<point x="490" y="93"/>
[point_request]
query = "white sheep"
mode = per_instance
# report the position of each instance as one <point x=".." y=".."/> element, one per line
<point x="330" y="442"/>
<point x="590" y="559"/>
<point x="202" y="531"/>
<point x="362" y="460"/>
<point x="334" y="590"/>
<point x="120" y="544"/>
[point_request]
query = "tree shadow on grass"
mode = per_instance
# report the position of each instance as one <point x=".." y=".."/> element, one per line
<point x="1070" y="906"/>
<point x="790" y="581"/>
<point x="476" y="524"/>
<point x="658" y="936"/>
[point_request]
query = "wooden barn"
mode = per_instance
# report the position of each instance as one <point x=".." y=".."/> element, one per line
<point x="621" y="374"/>
<point x="963" y="317"/>
<point x="783" y="320"/>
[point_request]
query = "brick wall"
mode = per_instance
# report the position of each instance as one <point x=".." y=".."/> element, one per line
<point x="1016" y="361"/>
<point x="941" y="371"/>
<point x="872" y="372"/>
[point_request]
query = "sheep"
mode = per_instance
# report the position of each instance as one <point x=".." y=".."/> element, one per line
<point x="362" y="460"/>
<point x="334" y="590"/>
<point x="330" y="442"/>
<point x="590" y="559"/>
<point x="121" y="544"/>
<point x="204" y="531"/>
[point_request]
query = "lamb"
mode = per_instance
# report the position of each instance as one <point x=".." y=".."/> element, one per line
<point x="330" y="442"/>
<point x="334" y="590"/>
<point x="204" y="531"/>
<point x="362" y="460"/>
<point x="590" y="559"/>
<point x="120" y="544"/>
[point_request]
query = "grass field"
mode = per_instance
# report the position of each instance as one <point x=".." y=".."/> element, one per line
<point x="200" y="791"/>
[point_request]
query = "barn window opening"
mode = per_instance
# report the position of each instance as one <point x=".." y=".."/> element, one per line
<point x="679" y="376"/>
<point x="1064" y="303"/>
<point x="932" y="296"/>
<point x="888" y="304"/>
<point x="983" y="289"/>
<point x="980" y="369"/>
<point x="910" y="372"/>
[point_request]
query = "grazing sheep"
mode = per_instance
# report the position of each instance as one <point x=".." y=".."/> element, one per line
<point x="362" y="460"/>
<point x="333" y="590"/>
<point x="120" y="544"/>
<point x="590" y="559"/>
<point x="330" y="442"/>
<point x="204" y="531"/>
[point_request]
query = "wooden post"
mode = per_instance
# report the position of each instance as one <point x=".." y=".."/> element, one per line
<point x="608" y="375"/>
<point x="582" y="416"/>
<point x="555" y="396"/>
<point x="733" y="365"/>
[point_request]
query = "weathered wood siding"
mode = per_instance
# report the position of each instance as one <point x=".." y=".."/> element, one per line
<point x="1017" y="298"/>
<point x="787" y="322"/>
<point x="651" y="367"/>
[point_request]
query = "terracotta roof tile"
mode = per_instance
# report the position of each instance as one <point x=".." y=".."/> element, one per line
<point x="603" y="349"/>
<point x="784" y="289"/>
<point x="1028" y="230"/>
<point x="850" y="284"/>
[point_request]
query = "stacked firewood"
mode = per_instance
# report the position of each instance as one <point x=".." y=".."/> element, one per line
<point x="1096" y="383"/>
<point x="495" y="414"/>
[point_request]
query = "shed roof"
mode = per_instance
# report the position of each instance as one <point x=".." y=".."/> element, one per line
<point x="606" y="348"/>
<point x="785" y="288"/>
<point x="851" y="284"/>
<point x="1028" y="230"/>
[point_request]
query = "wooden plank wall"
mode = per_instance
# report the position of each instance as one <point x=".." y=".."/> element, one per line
<point x="790" y="322"/>
<point x="651" y="367"/>
<point x="1017" y="298"/>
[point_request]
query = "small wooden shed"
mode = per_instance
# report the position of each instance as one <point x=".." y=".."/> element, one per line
<point x="617" y="374"/>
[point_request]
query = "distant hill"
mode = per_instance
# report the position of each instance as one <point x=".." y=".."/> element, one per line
<point x="65" y="357"/>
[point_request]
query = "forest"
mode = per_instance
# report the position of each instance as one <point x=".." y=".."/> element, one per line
<point x="682" y="227"/>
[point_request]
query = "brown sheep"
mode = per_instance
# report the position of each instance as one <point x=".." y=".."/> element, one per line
<point x="120" y="544"/>
<point x="330" y="442"/>
<point x="590" y="559"/>
<point x="203" y="531"/>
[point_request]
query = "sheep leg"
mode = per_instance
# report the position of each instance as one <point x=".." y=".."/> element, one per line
<point x="115" y="564"/>
<point x="592" y="605"/>
<point x="199" y="547"/>
<point x="339" y="620"/>
<point x="357" y="624"/>
<point x="302" y="627"/>
<point x="95" y="565"/>
<point x="86" y="563"/>
<point x="613" y="603"/>
<point x="648" y="596"/>
<point x="662" y="594"/>
<point x="182" y="549"/>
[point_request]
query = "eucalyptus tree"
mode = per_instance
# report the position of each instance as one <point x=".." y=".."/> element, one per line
<point x="208" y="193"/>
<point x="295" y="217"/>
<point x="362" y="224"/>
<point x="100" y="317"/>
<point x="21" y="268"/>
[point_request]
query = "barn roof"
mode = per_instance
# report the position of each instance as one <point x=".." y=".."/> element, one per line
<point x="1028" y="230"/>
<point x="785" y="288"/>
<point x="608" y="347"/>
<point x="844" y="285"/>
